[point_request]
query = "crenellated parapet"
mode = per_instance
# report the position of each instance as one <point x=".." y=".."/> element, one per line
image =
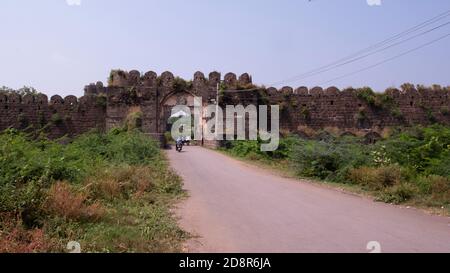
<point x="122" y="79"/>
<point x="95" y="89"/>
<point x="108" y="106"/>
<point x="55" y="117"/>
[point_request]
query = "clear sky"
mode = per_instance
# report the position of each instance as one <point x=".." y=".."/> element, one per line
<point x="58" y="48"/>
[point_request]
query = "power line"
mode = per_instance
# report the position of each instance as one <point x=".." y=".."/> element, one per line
<point x="354" y="57"/>
<point x="389" y="59"/>
<point x="374" y="52"/>
<point x="370" y="48"/>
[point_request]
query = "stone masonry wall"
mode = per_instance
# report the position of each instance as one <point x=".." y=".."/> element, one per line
<point x="107" y="107"/>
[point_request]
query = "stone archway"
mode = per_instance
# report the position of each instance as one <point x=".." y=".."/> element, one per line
<point x="168" y="103"/>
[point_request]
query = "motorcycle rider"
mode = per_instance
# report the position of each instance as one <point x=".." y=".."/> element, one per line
<point x="179" y="143"/>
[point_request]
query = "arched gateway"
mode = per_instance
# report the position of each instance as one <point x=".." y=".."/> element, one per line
<point x="168" y="106"/>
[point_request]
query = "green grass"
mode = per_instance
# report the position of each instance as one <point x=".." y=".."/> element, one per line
<point x="109" y="192"/>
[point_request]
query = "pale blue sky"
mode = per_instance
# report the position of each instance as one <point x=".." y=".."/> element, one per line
<point x="59" y="48"/>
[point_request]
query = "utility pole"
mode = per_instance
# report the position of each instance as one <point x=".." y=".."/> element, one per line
<point x="217" y="110"/>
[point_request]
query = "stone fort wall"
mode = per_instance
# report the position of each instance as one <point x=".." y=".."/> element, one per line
<point x="105" y="107"/>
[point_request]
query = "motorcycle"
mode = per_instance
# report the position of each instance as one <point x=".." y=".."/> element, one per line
<point x="179" y="145"/>
<point x="187" y="141"/>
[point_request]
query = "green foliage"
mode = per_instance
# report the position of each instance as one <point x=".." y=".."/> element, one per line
<point x="409" y="86"/>
<point x="398" y="193"/>
<point x="134" y="121"/>
<point x="362" y="115"/>
<point x="434" y="189"/>
<point x="366" y="94"/>
<point x="426" y="150"/>
<point x="430" y="116"/>
<point x="328" y="160"/>
<point x="56" y="119"/>
<point x="101" y="101"/>
<point x="115" y="71"/>
<point x="397" y="113"/>
<point x="180" y="84"/>
<point x="168" y="137"/>
<point x="248" y="86"/>
<point x="252" y="149"/>
<point x="119" y="147"/>
<point x="28" y="166"/>
<point x="376" y="178"/>
<point x="412" y="164"/>
<point x="306" y="114"/>
<point x="111" y="192"/>
<point x="376" y="100"/>
<point x="22" y="119"/>
<point x="26" y="90"/>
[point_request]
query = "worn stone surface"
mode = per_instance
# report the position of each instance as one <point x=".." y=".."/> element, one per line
<point x="107" y="107"/>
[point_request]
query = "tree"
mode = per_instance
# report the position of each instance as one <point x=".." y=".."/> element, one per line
<point x="407" y="87"/>
<point x="26" y="90"/>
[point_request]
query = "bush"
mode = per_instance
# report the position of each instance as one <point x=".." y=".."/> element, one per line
<point x="115" y="194"/>
<point x="134" y="121"/>
<point x="15" y="238"/>
<point x="398" y="194"/>
<point x="315" y="159"/>
<point x="118" y="147"/>
<point x="437" y="188"/>
<point x="426" y="150"/>
<point x="56" y="119"/>
<point x="133" y="148"/>
<point x="180" y="84"/>
<point x="376" y="100"/>
<point x="252" y="149"/>
<point x="122" y="182"/>
<point x="397" y="113"/>
<point x="376" y="178"/>
<point x="330" y="161"/>
<point x="64" y="202"/>
<point x="30" y="167"/>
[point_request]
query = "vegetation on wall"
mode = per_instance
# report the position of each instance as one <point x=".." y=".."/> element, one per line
<point x="305" y="112"/>
<point x="361" y="115"/>
<point x="134" y="120"/>
<point x="57" y="119"/>
<point x="101" y="100"/>
<point x="26" y="90"/>
<point x="113" y="72"/>
<point x="380" y="101"/>
<point x="445" y="110"/>
<point x="181" y="85"/>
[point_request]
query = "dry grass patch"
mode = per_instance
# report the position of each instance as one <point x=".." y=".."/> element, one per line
<point x="376" y="178"/>
<point x="64" y="201"/>
<point x="120" y="182"/>
<point x="15" y="238"/>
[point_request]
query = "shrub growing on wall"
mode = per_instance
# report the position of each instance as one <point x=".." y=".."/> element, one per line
<point x="57" y="119"/>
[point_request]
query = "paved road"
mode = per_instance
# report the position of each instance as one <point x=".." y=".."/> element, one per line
<point x="234" y="207"/>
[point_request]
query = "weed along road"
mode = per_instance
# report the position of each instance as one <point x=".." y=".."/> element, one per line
<point x="234" y="207"/>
